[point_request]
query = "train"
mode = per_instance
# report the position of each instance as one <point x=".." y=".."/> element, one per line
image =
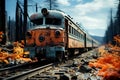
<point x="55" y="36"/>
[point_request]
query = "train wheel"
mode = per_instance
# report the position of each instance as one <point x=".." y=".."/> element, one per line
<point x="59" y="56"/>
<point x="38" y="54"/>
<point x="71" y="53"/>
<point x="66" y="55"/>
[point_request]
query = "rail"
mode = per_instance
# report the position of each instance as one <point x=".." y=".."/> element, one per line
<point x="12" y="67"/>
<point x="29" y="73"/>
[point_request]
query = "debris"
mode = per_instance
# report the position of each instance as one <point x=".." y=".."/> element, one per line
<point x="85" y="69"/>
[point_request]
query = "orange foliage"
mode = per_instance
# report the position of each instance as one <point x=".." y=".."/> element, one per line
<point x="101" y="50"/>
<point x="109" y="65"/>
<point x="117" y="40"/>
<point x="18" y="54"/>
<point x="1" y="36"/>
<point x="109" y="62"/>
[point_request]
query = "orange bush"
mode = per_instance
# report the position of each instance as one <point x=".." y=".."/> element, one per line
<point x="109" y="65"/>
<point x="109" y="62"/>
<point x="18" y="54"/>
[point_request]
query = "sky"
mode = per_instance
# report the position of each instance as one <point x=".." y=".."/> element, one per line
<point x="92" y="15"/>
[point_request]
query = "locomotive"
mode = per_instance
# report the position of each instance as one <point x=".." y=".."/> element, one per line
<point x="55" y="36"/>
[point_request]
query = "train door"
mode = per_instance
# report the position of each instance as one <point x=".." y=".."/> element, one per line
<point x="85" y="41"/>
<point x="66" y="38"/>
<point x="66" y="33"/>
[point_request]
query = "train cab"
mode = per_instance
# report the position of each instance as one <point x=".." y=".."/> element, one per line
<point x="47" y="33"/>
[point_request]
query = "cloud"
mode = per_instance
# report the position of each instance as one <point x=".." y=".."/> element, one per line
<point x="99" y="32"/>
<point x="77" y="0"/>
<point x="92" y="15"/>
<point x="92" y="23"/>
<point x="95" y="5"/>
<point x="64" y="2"/>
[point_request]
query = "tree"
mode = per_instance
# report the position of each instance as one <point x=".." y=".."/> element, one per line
<point x="118" y="19"/>
<point x="11" y="29"/>
<point x="113" y="27"/>
<point x="52" y="4"/>
<point x="18" y="22"/>
<point x="109" y="32"/>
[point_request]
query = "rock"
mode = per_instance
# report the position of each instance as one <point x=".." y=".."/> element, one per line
<point x="84" y="69"/>
<point x="65" y="77"/>
<point x="74" y="78"/>
<point x="84" y="62"/>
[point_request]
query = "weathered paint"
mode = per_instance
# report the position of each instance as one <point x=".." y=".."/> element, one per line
<point x="73" y="43"/>
<point x="48" y="34"/>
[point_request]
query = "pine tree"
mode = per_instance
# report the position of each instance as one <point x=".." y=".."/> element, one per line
<point x="110" y="30"/>
<point x="52" y="4"/>
<point x="117" y="21"/>
<point x="114" y="27"/>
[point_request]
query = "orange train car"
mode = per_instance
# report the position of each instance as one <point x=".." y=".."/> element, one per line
<point x="54" y="35"/>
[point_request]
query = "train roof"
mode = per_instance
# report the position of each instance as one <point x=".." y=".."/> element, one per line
<point x="58" y="14"/>
<point x="52" y="13"/>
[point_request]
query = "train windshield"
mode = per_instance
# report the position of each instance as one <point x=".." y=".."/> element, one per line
<point x="38" y="21"/>
<point x="53" y="21"/>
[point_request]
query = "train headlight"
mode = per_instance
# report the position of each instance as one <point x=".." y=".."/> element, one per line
<point x="57" y="33"/>
<point x="44" y="11"/>
<point x="41" y="38"/>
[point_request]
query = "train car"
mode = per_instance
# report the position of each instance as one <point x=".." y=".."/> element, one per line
<point x="95" y="43"/>
<point x="55" y="35"/>
<point x="90" y="42"/>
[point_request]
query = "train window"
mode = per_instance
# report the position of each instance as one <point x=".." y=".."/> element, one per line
<point x="82" y="36"/>
<point x="53" y="21"/>
<point x="37" y="21"/>
<point x="75" y="32"/>
<point x="78" y="34"/>
<point x="72" y="30"/>
<point x="69" y="29"/>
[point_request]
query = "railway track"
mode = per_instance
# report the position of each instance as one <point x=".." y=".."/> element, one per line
<point x="26" y="73"/>
<point x="76" y="69"/>
<point x="54" y="71"/>
<point x="10" y="72"/>
<point x="13" y="67"/>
